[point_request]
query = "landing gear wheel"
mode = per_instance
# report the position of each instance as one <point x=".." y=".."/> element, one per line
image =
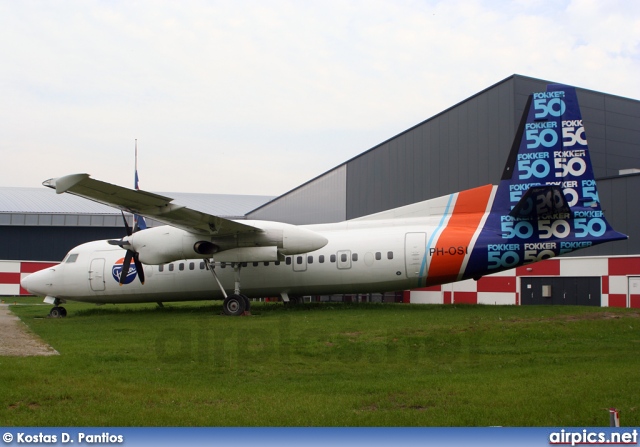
<point x="293" y="301"/>
<point x="58" y="312"/>
<point x="247" y="303"/>
<point x="234" y="305"/>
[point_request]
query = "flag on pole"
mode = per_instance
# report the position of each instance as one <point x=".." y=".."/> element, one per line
<point x="138" y="221"/>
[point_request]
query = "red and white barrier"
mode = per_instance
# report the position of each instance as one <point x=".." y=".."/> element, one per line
<point x="11" y="272"/>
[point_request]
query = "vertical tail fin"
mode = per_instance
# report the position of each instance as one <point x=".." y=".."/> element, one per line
<point x="547" y="202"/>
<point x="550" y="149"/>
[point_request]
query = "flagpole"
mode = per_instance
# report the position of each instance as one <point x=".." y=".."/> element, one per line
<point x="139" y="221"/>
<point x="136" y="164"/>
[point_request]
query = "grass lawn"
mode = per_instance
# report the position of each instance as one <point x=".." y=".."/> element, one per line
<point x="326" y="365"/>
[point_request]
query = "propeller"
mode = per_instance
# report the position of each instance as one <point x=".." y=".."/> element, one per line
<point x="131" y="254"/>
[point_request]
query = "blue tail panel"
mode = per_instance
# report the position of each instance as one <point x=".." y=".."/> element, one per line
<point x="547" y="202"/>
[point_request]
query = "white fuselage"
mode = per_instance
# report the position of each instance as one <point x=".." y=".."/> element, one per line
<point x="360" y="257"/>
<point x="545" y="205"/>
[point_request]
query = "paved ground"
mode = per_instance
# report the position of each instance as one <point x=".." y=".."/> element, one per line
<point x="17" y="340"/>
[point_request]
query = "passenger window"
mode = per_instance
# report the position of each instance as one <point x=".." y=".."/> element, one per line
<point x="332" y="258"/>
<point x="72" y="258"/>
<point x="378" y="256"/>
<point x="321" y="259"/>
<point x="161" y="268"/>
<point x="244" y="264"/>
<point x="389" y="255"/>
<point x="223" y="265"/>
<point x="343" y="257"/>
<point x="202" y="265"/>
<point x="255" y="264"/>
<point x="288" y="260"/>
<point x="171" y="267"/>
<point x="181" y="266"/>
<point x="310" y="259"/>
<point x="192" y="266"/>
<point x="277" y="262"/>
<point x="354" y="257"/>
<point x="266" y="264"/>
<point x="299" y="260"/>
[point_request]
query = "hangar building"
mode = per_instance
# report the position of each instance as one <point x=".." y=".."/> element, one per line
<point x="462" y="147"/>
<point x="467" y="146"/>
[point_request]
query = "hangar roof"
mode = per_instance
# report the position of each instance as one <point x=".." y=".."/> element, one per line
<point x="17" y="203"/>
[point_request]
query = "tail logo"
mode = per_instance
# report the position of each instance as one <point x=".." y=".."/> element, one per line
<point x="547" y="203"/>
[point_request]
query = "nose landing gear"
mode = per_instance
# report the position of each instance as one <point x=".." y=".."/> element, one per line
<point x="58" y="311"/>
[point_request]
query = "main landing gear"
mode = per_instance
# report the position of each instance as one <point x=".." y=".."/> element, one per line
<point x="236" y="305"/>
<point x="233" y="305"/>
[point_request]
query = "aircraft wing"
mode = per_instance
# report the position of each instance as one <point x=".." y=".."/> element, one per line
<point x="147" y="204"/>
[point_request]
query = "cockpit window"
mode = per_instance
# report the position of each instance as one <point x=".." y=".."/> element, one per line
<point x="71" y="258"/>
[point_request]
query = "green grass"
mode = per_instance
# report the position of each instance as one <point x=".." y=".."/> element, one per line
<point x="326" y="365"/>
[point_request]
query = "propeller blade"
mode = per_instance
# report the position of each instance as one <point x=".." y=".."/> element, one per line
<point x="139" y="268"/>
<point x="130" y="253"/>
<point x="136" y="223"/>
<point x="125" y="266"/>
<point x="120" y="243"/>
<point x="126" y="225"/>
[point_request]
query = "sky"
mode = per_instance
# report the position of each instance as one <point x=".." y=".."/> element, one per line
<point x="258" y="97"/>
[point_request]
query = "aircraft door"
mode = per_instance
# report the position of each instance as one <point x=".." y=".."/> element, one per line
<point x="300" y="263"/>
<point x="344" y="259"/>
<point x="415" y="245"/>
<point x="96" y="275"/>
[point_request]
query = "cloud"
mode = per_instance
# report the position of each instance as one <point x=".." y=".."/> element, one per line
<point x="254" y="97"/>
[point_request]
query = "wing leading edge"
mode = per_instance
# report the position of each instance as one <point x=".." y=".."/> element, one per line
<point x="148" y="204"/>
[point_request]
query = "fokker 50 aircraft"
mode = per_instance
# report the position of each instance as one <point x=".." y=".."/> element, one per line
<point x="545" y="205"/>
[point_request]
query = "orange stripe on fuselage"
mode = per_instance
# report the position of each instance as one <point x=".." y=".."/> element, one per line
<point x="453" y="244"/>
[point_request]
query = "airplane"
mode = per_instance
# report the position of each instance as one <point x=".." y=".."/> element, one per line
<point x="545" y="205"/>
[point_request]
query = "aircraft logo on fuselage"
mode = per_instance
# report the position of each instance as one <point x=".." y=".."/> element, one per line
<point x="116" y="271"/>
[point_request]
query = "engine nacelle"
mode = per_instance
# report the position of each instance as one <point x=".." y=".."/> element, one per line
<point x="160" y="245"/>
<point x="248" y="254"/>
<point x="290" y="239"/>
<point x="269" y="242"/>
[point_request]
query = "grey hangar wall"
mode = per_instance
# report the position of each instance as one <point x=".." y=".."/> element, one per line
<point x="466" y="146"/>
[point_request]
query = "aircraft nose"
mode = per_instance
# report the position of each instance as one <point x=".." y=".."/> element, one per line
<point x="40" y="282"/>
